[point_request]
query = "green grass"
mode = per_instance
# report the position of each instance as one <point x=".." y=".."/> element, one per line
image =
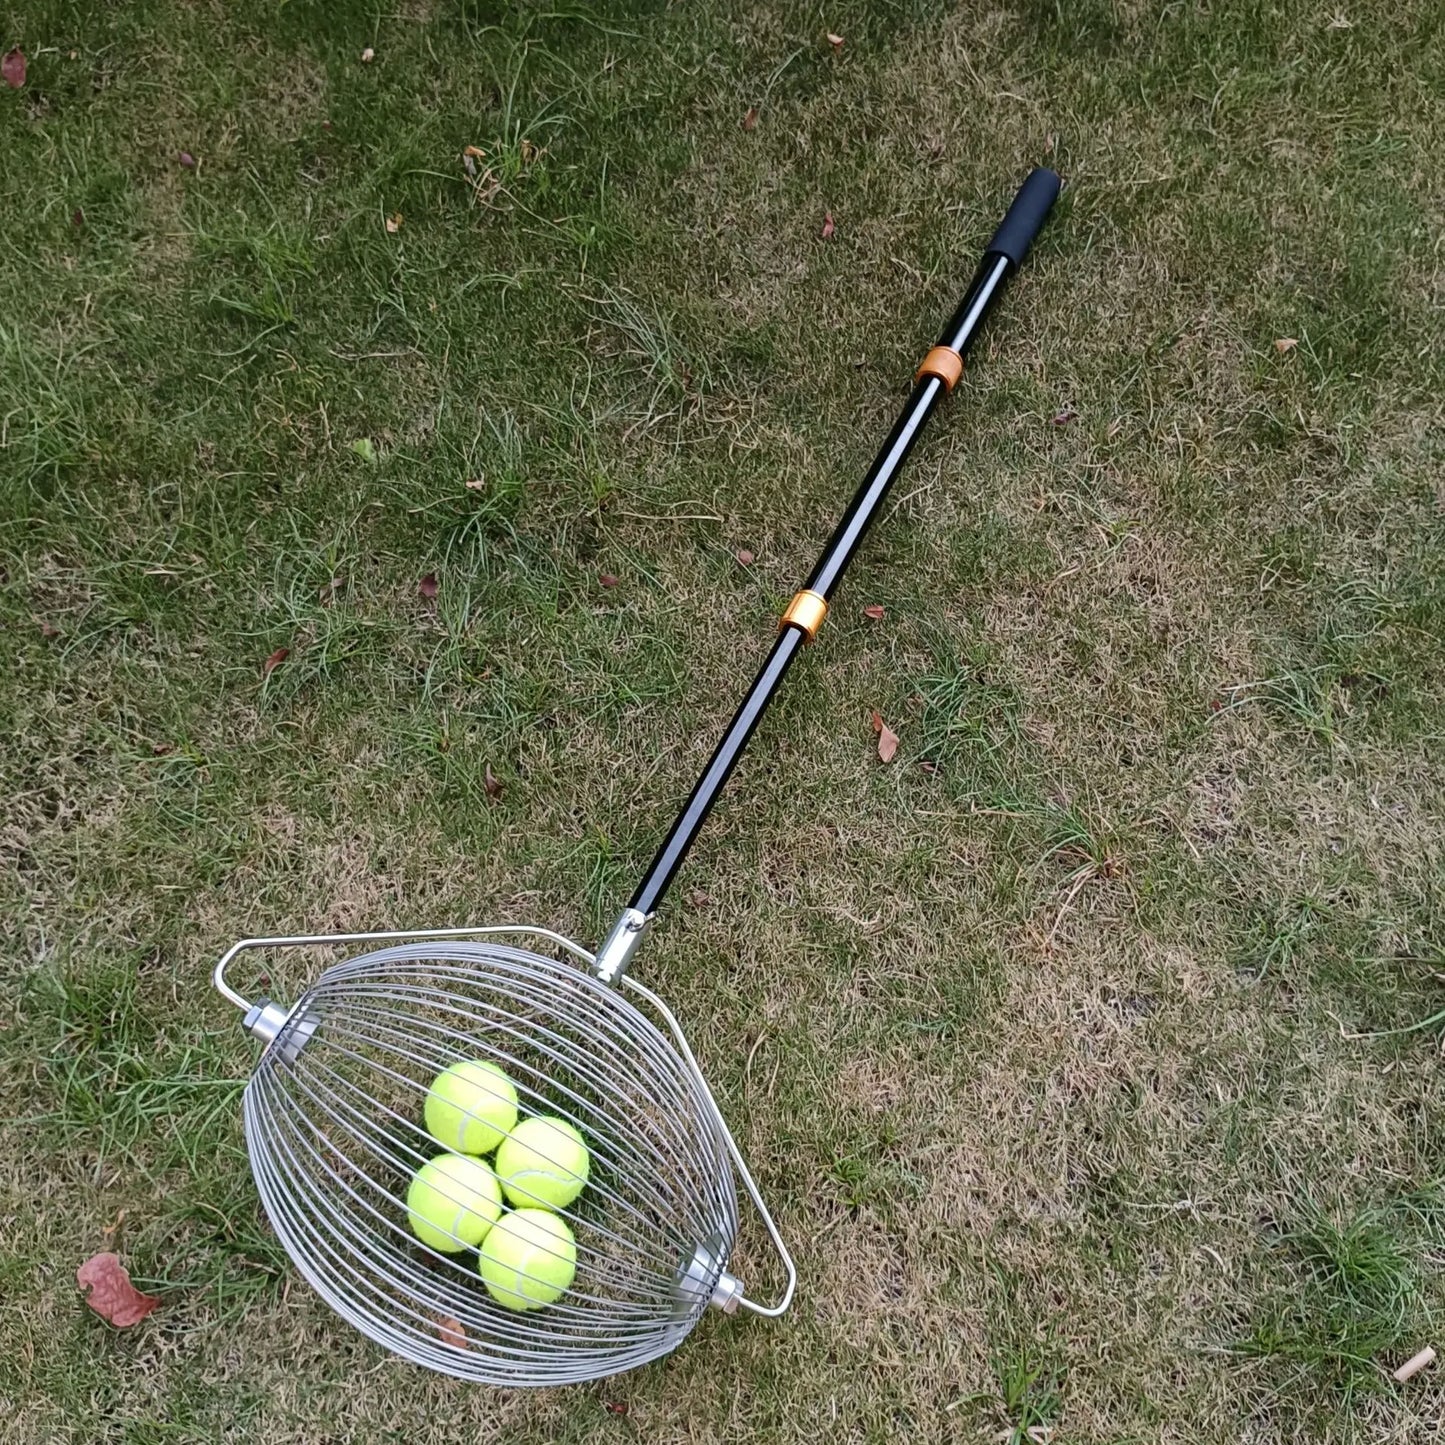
<point x="1088" y="1052"/>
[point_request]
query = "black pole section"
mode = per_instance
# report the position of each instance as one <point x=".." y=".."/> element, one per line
<point x="935" y="378"/>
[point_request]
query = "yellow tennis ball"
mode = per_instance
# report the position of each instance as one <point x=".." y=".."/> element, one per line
<point x="543" y="1164"/>
<point x="528" y="1260"/>
<point x="453" y="1202"/>
<point x="471" y="1107"/>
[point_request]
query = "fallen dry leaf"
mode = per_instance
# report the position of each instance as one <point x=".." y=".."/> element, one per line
<point x="275" y="661"/>
<point x="698" y="898"/>
<point x="750" y="120"/>
<point x="187" y="160"/>
<point x="887" y="743"/>
<point x="929" y="767"/>
<point x="476" y="484"/>
<point x="368" y="55"/>
<point x="12" y="68"/>
<point x="1064" y="417"/>
<point x="428" y="586"/>
<point x="48" y="629"/>
<point x="608" y="580"/>
<point x="110" y="1293"/>
<point x="77" y="218"/>
<point x="491" y="782"/>
<point x="330" y="589"/>
<point x="160" y="750"/>
<point x="393" y="224"/>
<point x="475" y="152"/>
<point x="530" y="152"/>
<point x="874" y="611"/>
<point x="615" y="1407"/>
<point x="877" y="721"/>
<point x="1285" y="344"/>
<point x="745" y="557"/>
<point x="450" y="1331"/>
<point x="828" y="227"/>
<point x="836" y="41"/>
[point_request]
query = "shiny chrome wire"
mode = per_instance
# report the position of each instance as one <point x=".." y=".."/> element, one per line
<point x="334" y="1128"/>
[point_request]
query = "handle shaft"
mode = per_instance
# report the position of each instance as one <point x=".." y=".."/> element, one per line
<point x="936" y="377"/>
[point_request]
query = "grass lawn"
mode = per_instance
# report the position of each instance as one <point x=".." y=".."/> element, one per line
<point x="1071" y="1046"/>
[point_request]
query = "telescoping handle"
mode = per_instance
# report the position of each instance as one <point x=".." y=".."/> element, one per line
<point x="937" y="375"/>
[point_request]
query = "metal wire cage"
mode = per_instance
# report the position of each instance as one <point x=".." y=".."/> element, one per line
<point x="333" y="1117"/>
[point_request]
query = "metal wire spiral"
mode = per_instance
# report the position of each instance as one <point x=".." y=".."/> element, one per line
<point x="333" y="1121"/>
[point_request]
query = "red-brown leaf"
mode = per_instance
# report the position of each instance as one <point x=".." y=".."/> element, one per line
<point x="491" y="782"/>
<point x="836" y="41"/>
<point x="450" y="1331"/>
<point x="275" y="661"/>
<point x="608" y="580"/>
<point x="159" y="750"/>
<point x="110" y="1293"/>
<point x="698" y="898"/>
<point x="12" y="68"/>
<point x="828" y="227"/>
<point x="887" y="744"/>
<point x="750" y="120"/>
<point x="428" y="586"/>
<point x="77" y="218"/>
<point x="877" y="721"/>
<point x="187" y="160"/>
<point x="48" y="629"/>
<point x="1064" y="417"/>
<point x="874" y="611"/>
<point x="615" y="1407"/>
<point x="745" y="557"/>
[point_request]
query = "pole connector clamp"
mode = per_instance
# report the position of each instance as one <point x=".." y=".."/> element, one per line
<point x="944" y="363"/>
<point x="805" y="612"/>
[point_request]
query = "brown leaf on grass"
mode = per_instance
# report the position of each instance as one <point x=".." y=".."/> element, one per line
<point x="160" y="750"/>
<point x="877" y="721"/>
<point x="615" y="1407"/>
<point x="393" y="224"/>
<point x="12" y="68"/>
<point x="1286" y="344"/>
<point x="77" y="218"/>
<point x="698" y="898"/>
<point x="450" y="1332"/>
<point x="874" y="611"/>
<point x="744" y="557"/>
<point x="1064" y="417"/>
<point x="48" y="629"/>
<point x="110" y="1293"/>
<point x="428" y="586"/>
<point x="530" y="152"/>
<point x="329" y="589"/>
<point x="887" y="743"/>
<point x="187" y="160"/>
<point x="608" y="580"/>
<point x="476" y="484"/>
<point x="928" y="767"/>
<point x="836" y="41"/>
<point x="475" y="152"/>
<point x="828" y="226"/>
<point x="275" y="661"/>
<point x="750" y="120"/>
<point x="491" y="782"/>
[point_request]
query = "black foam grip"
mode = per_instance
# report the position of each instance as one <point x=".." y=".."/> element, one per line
<point x="1026" y="216"/>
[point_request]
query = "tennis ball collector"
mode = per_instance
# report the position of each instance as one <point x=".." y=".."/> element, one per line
<point x="330" y="1111"/>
